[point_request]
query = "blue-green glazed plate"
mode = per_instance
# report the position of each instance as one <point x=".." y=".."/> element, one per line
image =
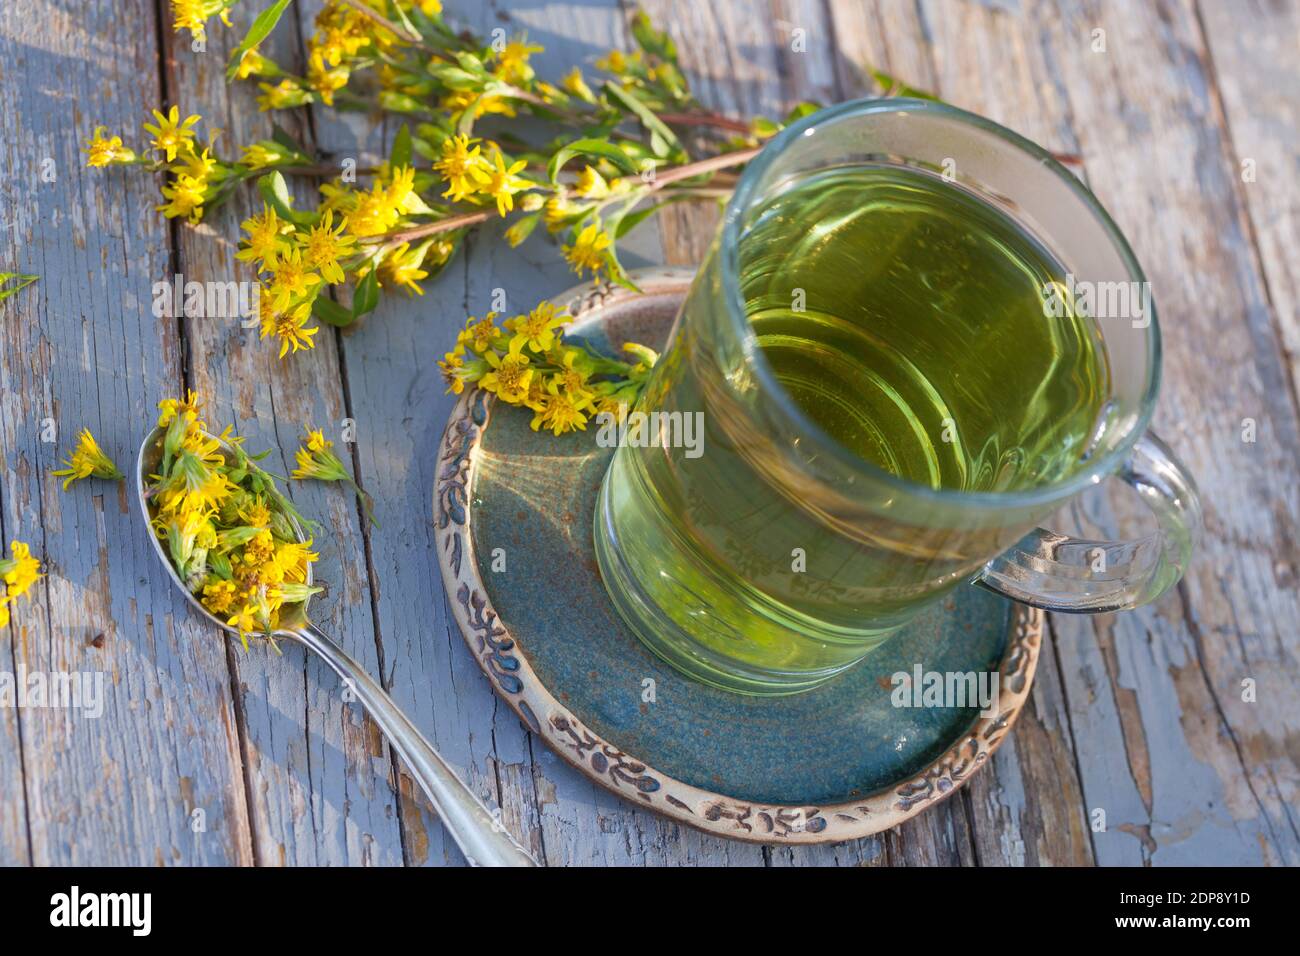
<point x="514" y="511"/>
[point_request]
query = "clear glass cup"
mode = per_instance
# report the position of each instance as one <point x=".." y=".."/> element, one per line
<point x="700" y="553"/>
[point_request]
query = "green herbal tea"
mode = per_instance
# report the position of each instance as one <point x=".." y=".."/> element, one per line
<point x="921" y="343"/>
<point x="904" y="316"/>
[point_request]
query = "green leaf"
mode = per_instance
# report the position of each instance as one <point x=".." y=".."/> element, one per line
<point x="401" y="153"/>
<point x="366" y="296"/>
<point x="259" y="31"/>
<point x="589" y="147"/>
<point x="662" y="139"/>
<point x="330" y="312"/>
<point x="396" y="102"/>
<point x="892" y="86"/>
<point x="453" y="77"/>
<point x="282" y="136"/>
<point x="631" y="220"/>
<point x="802" y="110"/>
<point x="24" y="280"/>
<point x="274" y="190"/>
<point x="651" y="40"/>
<point x="404" y="19"/>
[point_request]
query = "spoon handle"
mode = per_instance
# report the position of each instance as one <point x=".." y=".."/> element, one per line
<point x="481" y="837"/>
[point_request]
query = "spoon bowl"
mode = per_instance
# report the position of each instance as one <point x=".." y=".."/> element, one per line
<point x="479" y="833"/>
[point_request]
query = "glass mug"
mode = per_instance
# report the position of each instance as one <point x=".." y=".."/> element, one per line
<point x="770" y="558"/>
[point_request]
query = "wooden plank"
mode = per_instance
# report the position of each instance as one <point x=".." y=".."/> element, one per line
<point x="319" y="773"/>
<point x="156" y="778"/>
<point x="1250" y="54"/>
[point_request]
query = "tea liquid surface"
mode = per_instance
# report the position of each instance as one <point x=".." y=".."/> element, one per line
<point x="919" y="340"/>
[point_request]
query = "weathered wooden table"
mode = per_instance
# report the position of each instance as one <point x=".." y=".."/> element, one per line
<point x="1181" y="722"/>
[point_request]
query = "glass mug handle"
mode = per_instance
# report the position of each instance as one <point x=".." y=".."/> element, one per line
<point x="1061" y="573"/>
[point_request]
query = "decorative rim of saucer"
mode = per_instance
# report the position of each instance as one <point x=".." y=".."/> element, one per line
<point x="514" y="680"/>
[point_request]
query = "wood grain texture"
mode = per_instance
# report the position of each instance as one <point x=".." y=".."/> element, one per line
<point x="1250" y="57"/>
<point x="1139" y="715"/>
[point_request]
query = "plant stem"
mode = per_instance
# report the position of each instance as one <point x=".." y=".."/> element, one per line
<point x="430" y="228"/>
<point x="372" y="14"/>
<point x="700" y="167"/>
<point x="715" y="120"/>
<point x="676" y="174"/>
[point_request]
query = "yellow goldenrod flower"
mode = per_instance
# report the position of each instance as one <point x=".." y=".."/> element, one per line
<point x="103" y="151"/>
<point x="575" y="84"/>
<point x="591" y="184"/>
<point x="291" y="278"/>
<point x="195" y="488"/>
<point x="283" y="95"/>
<point x="340" y="32"/>
<point x="510" y="374"/>
<point x="290" y="328"/>
<point x="87" y="459"/>
<point x="616" y="62"/>
<point x="265" y="237"/>
<point x="19" y="571"/>
<point x="338" y="197"/>
<point x="327" y="82"/>
<point x="400" y="188"/>
<point x="219" y="596"/>
<point x="574" y="375"/>
<point x="589" y="249"/>
<point x="457" y="101"/>
<point x="192" y="15"/>
<point x="536" y="330"/>
<point x="262" y="154"/>
<point x="185" y="197"/>
<point x="293" y="557"/>
<point x="255" y="513"/>
<point x="430" y="8"/>
<point x="480" y="335"/>
<point x="187" y="409"/>
<point x="559" y="211"/>
<point x="460" y="158"/>
<point x="325" y="246"/>
<point x="452" y="365"/>
<point x="512" y="62"/>
<point x="617" y="404"/>
<point x="252" y="63"/>
<point x="244" y="620"/>
<point x="561" y="412"/>
<point x="199" y="166"/>
<point x="402" y="268"/>
<point x="319" y="466"/>
<point x="500" y="182"/>
<point x="171" y="134"/>
<point x="374" y="213"/>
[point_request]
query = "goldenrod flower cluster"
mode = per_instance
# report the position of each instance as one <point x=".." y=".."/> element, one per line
<point x="193" y="15"/>
<point x="19" y="572"/>
<point x="525" y="361"/>
<point x="606" y="159"/>
<point x="231" y="535"/>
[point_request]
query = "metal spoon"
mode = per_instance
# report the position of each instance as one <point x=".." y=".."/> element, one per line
<point x="481" y="837"/>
